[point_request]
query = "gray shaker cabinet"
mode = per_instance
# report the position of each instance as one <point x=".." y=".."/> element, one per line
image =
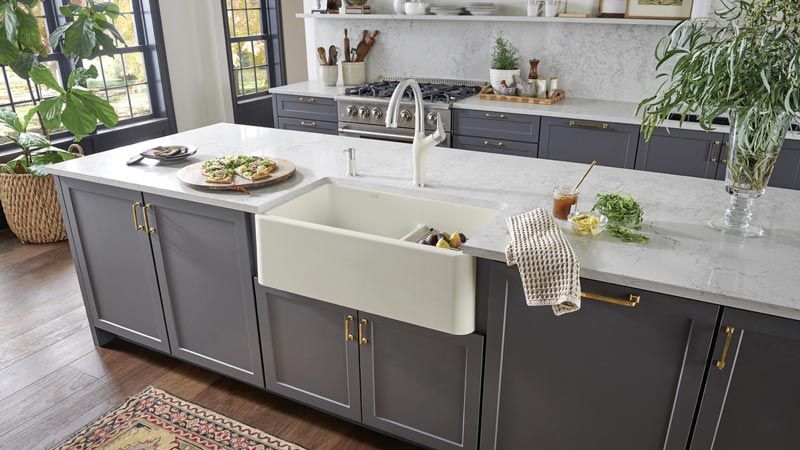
<point x="114" y="261"/>
<point x="606" y="377"/>
<point x="305" y="113"/>
<point x="787" y="168"/>
<point x="310" y="351"/>
<point x="203" y="259"/>
<point x="583" y="141"/>
<point x="420" y="384"/>
<point x="680" y="152"/>
<point x="750" y="400"/>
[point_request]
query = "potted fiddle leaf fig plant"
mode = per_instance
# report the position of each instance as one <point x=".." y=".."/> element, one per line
<point x="505" y="64"/>
<point x="27" y="192"/>
<point x="744" y="63"/>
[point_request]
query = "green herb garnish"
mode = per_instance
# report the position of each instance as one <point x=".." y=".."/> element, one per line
<point x="626" y="234"/>
<point x="619" y="209"/>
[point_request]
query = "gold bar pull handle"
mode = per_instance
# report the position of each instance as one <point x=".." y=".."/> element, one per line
<point x="602" y="126"/>
<point x="630" y="302"/>
<point x="495" y="116"/>
<point x="136" y="225"/>
<point x="303" y="123"/>
<point x="347" y="335"/>
<point x="713" y="151"/>
<point x="493" y="144"/>
<point x="720" y="363"/>
<point x="725" y="153"/>
<point x="361" y="338"/>
<point x="307" y="100"/>
<point x="150" y="229"/>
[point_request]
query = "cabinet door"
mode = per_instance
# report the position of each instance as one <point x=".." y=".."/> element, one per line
<point x="305" y="107"/>
<point x="496" y="126"/>
<point x="680" y="152"/>
<point x="751" y="401"/>
<point x="203" y="256"/>
<point x="604" y="377"/>
<point x="310" y="351"/>
<point x="611" y="144"/>
<point x="420" y="384"/>
<point x="115" y="262"/>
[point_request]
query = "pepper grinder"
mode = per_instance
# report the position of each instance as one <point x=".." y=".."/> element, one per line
<point x="534" y="73"/>
<point x="351" y="161"/>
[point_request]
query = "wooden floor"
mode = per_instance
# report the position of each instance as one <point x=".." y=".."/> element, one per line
<point x="53" y="380"/>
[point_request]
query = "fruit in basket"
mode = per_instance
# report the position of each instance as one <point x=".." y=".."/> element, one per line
<point x="432" y="239"/>
<point x="442" y="244"/>
<point x="455" y="240"/>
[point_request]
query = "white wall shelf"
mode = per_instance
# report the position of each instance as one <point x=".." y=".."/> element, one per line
<point x="588" y="20"/>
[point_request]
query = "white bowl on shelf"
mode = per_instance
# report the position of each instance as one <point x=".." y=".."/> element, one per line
<point x="416" y="8"/>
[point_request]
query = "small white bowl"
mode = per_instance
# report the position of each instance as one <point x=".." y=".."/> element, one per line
<point x="416" y="8"/>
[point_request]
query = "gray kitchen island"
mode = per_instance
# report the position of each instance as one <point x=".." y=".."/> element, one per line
<point x="712" y="344"/>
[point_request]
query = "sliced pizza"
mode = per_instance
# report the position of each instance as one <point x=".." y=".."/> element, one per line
<point x="221" y="176"/>
<point x="257" y="170"/>
<point x="214" y="165"/>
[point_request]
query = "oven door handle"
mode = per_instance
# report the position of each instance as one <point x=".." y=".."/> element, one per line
<point x="376" y="134"/>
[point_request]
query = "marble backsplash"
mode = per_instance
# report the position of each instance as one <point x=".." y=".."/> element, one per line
<point x="608" y="62"/>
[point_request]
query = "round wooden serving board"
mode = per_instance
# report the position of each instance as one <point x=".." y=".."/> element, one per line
<point x="191" y="176"/>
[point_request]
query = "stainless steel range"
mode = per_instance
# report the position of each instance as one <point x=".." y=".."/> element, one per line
<point x="361" y="110"/>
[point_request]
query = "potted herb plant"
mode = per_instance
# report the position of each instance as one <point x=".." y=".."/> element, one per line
<point x="745" y="63"/>
<point x="505" y="64"/>
<point x="27" y="192"/>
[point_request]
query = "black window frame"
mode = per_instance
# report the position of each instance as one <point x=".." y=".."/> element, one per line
<point x="272" y="35"/>
<point x="159" y="122"/>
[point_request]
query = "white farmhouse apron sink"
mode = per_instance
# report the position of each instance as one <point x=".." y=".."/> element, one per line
<point x="343" y="244"/>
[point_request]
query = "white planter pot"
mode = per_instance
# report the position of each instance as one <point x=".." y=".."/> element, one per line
<point x="497" y="75"/>
<point x="354" y="73"/>
<point x="329" y="75"/>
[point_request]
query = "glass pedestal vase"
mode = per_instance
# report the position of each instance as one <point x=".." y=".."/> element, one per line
<point x="755" y="143"/>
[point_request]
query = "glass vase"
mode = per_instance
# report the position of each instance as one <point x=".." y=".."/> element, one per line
<point x="755" y="143"/>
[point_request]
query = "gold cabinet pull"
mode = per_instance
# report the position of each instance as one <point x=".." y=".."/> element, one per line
<point x="347" y="335"/>
<point x="493" y="144"/>
<point x="713" y="151"/>
<point x="495" y="116"/>
<point x="307" y="99"/>
<point x="630" y="302"/>
<point x="136" y="225"/>
<point x="726" y="150"/>
<point x="150" y="229"/>
<point x="303" y="123"/>
<point x="720" y="363"/>
<point x="361" y="338"/>
<point x="602" y="126"/>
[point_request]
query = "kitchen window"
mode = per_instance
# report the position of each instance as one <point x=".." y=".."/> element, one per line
<point x="253" y="37"/>
<point x="133" y="79"/>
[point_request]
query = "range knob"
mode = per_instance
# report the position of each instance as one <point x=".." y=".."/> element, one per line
<point x="351" y="111"/>
<point x="377" y="113"/>
<point x="363" y="112"/>
<point x="406" y="116"/>
<point x="431" y="118"/>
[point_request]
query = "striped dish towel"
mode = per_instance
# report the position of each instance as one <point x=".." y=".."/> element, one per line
<point x="549" y="269"/>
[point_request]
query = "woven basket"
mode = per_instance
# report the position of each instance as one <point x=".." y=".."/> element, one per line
<point x="31" y="206"/>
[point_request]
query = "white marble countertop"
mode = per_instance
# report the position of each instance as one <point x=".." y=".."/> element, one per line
<point x="684" y="256"/>
<point x="569" y="108"/>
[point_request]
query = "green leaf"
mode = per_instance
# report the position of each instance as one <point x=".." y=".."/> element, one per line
<point x="23" y="64"/>
<point x="26" y="120"/>
<point x="57" y="34"/>
<point x="108" y="26"/>
<point x="79" y="76"/>
<point x="79" y="39"/>
<point x="10" y="21"/>
<point x="70" y="10"/>
<point x="42" y="75"/>
<point x="77" y="119"/>
<point x="9" y="119"/>
<point x="29" y="36"/>
<point x="29" y="3"/>
<point x="98" y="107"/>
<point x="8" y="51"/>
<point x="32" y="140"/>
<point x="50" y="111"/>
<point x="105" y="43"/>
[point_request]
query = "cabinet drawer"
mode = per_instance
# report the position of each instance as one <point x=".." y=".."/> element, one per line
<point x="582" y="141"/>
<point x="487" y="124"/>
<point x="305" y="107"/>
<point x="504" y="147"/>
<point x="313" y="126"/>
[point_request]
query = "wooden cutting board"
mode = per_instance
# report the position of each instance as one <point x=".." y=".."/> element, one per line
<point x="191" y="176"/>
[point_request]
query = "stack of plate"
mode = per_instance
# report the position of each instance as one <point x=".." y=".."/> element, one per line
<point x="481" y="9"/>
<point x="444" y="9"/>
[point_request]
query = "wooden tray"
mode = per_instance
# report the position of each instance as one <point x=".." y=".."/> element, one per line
<point x="487" y="93"/>
<point x="191" y="176"/>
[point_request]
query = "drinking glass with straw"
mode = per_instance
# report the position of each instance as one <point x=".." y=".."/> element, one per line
<point x="565" y="197"/>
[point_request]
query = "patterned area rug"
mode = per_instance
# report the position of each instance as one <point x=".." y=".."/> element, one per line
<point x="156" y="420"/>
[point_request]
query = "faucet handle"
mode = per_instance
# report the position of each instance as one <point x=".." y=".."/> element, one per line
<point x="439" y="135"/>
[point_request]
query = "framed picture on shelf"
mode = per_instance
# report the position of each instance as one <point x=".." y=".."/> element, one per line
<point x="613" y="8"/>
<point x="658" y="9"/>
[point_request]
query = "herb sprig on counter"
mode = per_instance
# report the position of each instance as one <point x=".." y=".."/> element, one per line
<point x="626" y="234"/>
<point x="619" y="209"/>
